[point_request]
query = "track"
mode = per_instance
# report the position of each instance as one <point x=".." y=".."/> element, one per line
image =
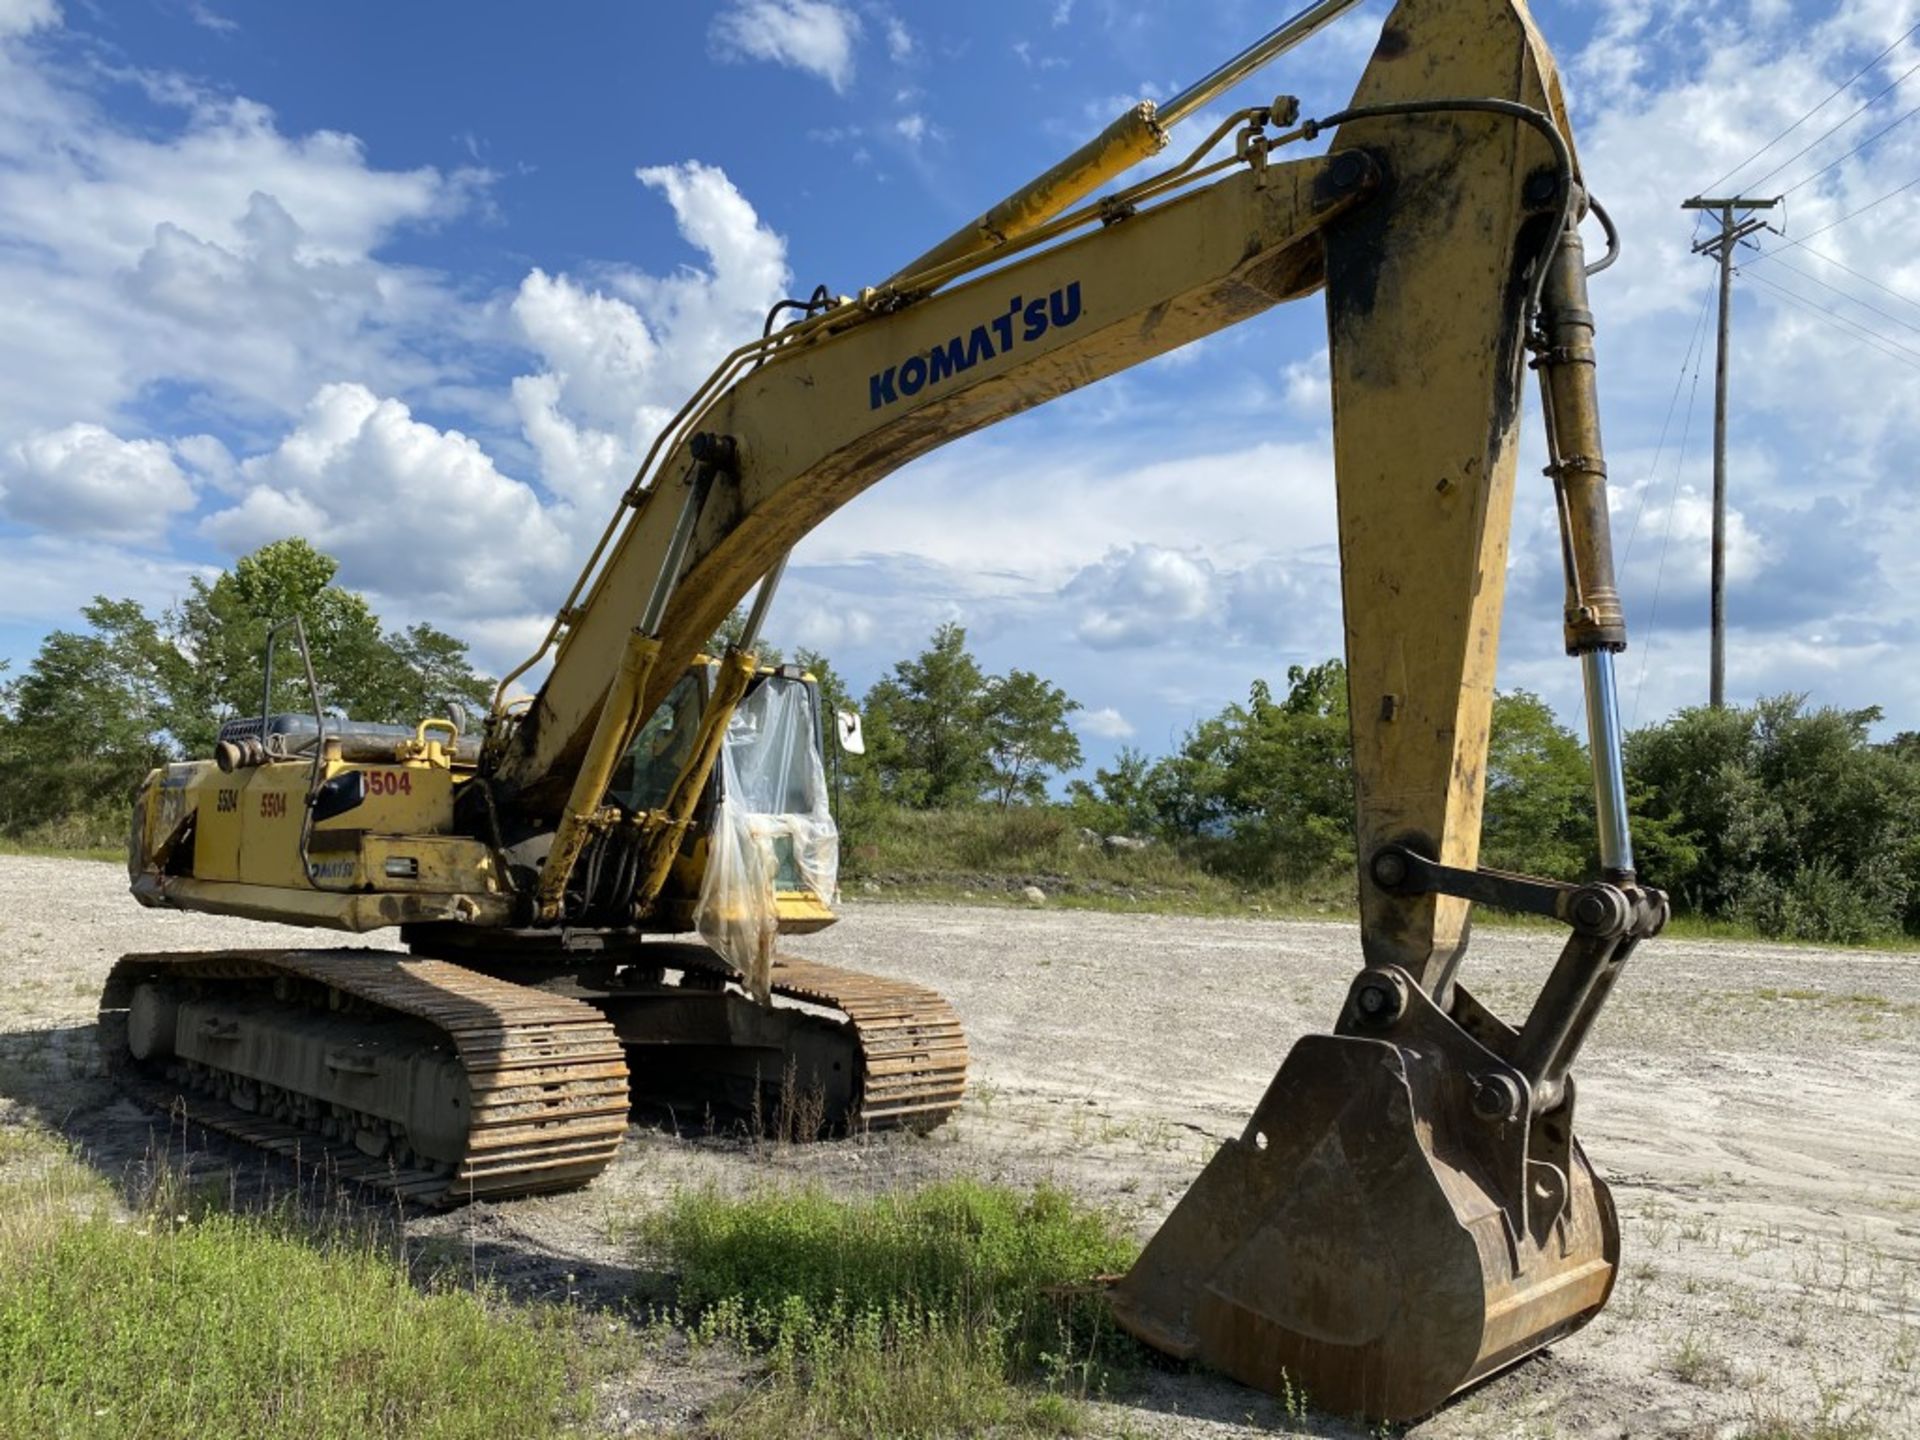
<point x="913" y="1051"/>
<point x="545" y="1078"/>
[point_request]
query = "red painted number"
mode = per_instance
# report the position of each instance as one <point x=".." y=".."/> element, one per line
<point x="389" y="782"/>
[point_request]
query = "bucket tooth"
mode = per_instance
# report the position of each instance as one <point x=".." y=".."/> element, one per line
<point x="1372" y="1241"/>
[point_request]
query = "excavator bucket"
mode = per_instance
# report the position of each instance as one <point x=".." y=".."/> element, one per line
<point x="1393" y="1225"/>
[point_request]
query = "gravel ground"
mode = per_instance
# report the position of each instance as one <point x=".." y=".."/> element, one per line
<point x="1756" y="1109"/>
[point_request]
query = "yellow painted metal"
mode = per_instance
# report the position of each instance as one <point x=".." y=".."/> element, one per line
<point x="618" y="720"/>
<point x="1384" y="1233"/>
<point x="1425" y="336"/>
<point x="821" y="421"/>
<point x="246" y="845"/>
<point x="1135" y="135"/>
<point x="668" y="825"/>
<point x="1393" y="1224"/>
<point x="355" y="911"/>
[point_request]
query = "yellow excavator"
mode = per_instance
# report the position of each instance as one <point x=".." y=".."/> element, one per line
<point x="1408" y="1209"/>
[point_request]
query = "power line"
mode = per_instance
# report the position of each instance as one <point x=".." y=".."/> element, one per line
<point x="1883" y="314"/>
<point x="1898" y="190"/>
<point x="1653" y="469"/>
<point x="1840" y="126"/>
<point x="1822" y="255"/>
<point x="1856" y="149"/>
<point x="1673" y="504"/>
<point x="1837" y="91"/>
<point x="1872" y="337"/>
<point x="1721" y="247"/>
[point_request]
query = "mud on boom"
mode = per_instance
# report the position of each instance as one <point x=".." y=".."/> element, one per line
<point x="1408" y="1209"/>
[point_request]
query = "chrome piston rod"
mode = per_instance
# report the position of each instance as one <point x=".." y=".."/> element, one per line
<point x="1141" y="131"/>
<point x="1289" y="33"/>
<point x="1609" y="767"/>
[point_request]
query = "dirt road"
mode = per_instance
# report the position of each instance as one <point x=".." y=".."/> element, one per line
<point x="1756" y="1109"/>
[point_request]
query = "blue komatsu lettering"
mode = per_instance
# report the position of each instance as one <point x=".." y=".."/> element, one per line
<point x="948" y="359"/>
<point x="1023" y="322"/>
<point x="1003" y="325"/>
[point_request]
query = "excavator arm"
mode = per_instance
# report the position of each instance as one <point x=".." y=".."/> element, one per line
<point x="1407" y="1210"/>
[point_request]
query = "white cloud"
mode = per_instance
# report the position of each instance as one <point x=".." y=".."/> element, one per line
<point x="49" y="577"/>
<point x="204" y="248"/>
<point x="1307" y="387"/>
<point x="409" y="510"/>
<point x="209" y="460"/>
<point x="619" y="361"/>
<point x="811" y="35"/>
<point x="209" y="19"/>
<point x="1106" y="722"/>
<point x="1136" y="595"/>
<point x="17" y="17"/>
<point x="1016" y="517"/>
<point x="85" y="480"/>
<point x="911" y="127"/>
<point x="900" y="46"/>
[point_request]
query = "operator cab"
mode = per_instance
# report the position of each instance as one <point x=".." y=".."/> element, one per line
<point x="771" y="776"/>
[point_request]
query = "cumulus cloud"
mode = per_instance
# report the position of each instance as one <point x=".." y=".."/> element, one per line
<point x="17" y="17"/>
<point x="621" y="356"/>
<point x="206" y="248"/>
<point x="1146" y="595"/>
<point x="1136" y="595"/>
<point x="84" y="480"/>
<point x="407" y="509"/>
<point x="811" y="35"/>
<point x="1105" y="721"/>
<point x="900" y="45"/>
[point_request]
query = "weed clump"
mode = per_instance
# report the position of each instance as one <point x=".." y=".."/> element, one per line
<point x="960" y="1306"/>
<point x="183" y="1319"/>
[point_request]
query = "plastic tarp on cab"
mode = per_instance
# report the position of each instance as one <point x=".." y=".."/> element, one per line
<point x="772" y="828"/>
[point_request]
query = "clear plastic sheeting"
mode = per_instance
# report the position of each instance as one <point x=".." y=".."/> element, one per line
<point x="772" y="829"/>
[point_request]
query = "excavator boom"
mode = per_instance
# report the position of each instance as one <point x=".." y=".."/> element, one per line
<point x="1408" y="1209"/>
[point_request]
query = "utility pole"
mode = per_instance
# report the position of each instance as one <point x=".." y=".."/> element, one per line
<point x="1721" y="246"/>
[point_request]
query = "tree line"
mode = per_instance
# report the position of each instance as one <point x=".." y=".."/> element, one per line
<point x="100" y="707"/>
<point x="1782" y="816"/>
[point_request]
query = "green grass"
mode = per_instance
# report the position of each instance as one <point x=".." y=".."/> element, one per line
<point x="1817" y="1427"/>
<point x="51" y="851"/>
<point x="97" y="834"/>
<point x="958" y="1308"/>
<point x="1858" y="1005"/>
<point x="988" y="856"/>
<point x="171" y="1322"/>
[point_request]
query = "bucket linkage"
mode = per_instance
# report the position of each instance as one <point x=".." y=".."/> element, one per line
<point x="1408" y="1210"/>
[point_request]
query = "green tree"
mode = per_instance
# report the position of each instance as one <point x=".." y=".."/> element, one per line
<point x="927" y="739"/>
<point x="1027" y="735"/>
<point x="1267" y="787"/>
<point x="1119" y="801"/>
<point x="1539" y="807"/>
<point x="1788" y="818"/>
<point x="97" y="709"/>
<point x="735" y="626"/>
<point x="361" y="671"/>
<point x="88" y="719"/>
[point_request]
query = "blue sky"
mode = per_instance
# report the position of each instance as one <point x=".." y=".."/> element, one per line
<point x="418" y="282"/>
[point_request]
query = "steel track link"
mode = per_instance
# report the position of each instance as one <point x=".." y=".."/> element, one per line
<point x="913" y="1051"/>
<point x="547" y="1075"/>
